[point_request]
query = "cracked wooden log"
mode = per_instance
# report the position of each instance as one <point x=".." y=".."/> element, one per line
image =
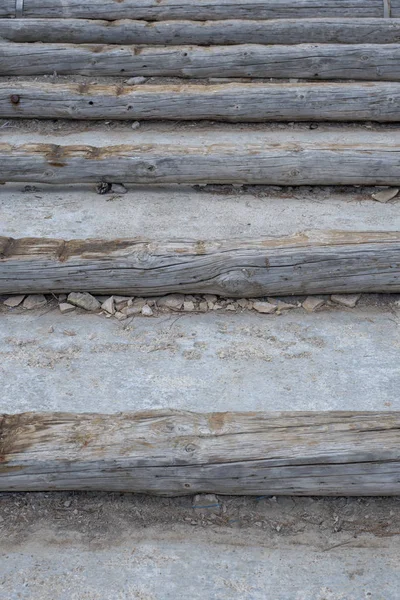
<point x="308" y="61"/>
<point x="289" y="163"/>
<point x="174" y="453"/>
<point x="201" y="10"/>
<point x="202" y="33"/>
<point x="257" y="102"/>
<point x="309" y="263"/>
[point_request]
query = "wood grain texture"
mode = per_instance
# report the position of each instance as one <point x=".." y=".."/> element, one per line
<point x="295" y="163"/>
<point x="309" y="263"/>
<point x="328" y="101"/>
<point x="156" y="10"/>
<point x="310" y="61"/>
<point x="174" y="453"/>
<point x="202" y="33"/>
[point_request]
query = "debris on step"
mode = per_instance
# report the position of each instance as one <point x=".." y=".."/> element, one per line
<point x="216" y="306"/>
<point x="34" y="301"/>
<point x="121" y="301"/>
<point x="62" y="297"/>
<point x="264" y="307"/>
<point x="348" y="300"/>
<point x="147" y="311"/>
<point x="312" y="303"/>
<point x="135" y="80"/>
<point x="203" y="306"/>
<point x="14" y="301"/>
<point x="172" y="301"/>
<point x="103" y="187"/>
<point x="66" y="308"/>
<point x="118" y="188"/>
<point x="138" y="303"/>
<point x="205" y="504"/>
<point x="131" y="311"/>
<point x="84" y="300"/>
<point x="135" y="125"/>
<point x="385" y="195"/>
<point x="243" y="303"/>
<point x="230" y="307"/>
<point x="211" y="301"/>
<point x="108" y="305"/>
<point x="281" y="305"/>
<point x="188" y="306"/>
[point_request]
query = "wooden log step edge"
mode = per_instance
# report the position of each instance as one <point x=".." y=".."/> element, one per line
<point x="233" y="102"/>
<point x="154" y="10"/>
<point x="203" y="33"/>
<point x="308" y="263"/>
<point x="367" y="62"/>
<point x="274" y="163"/>
<point x="174" y="453"/>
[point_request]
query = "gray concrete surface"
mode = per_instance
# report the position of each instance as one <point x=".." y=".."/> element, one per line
<point x="122" y="547"/>
<point x="330" y="360"/>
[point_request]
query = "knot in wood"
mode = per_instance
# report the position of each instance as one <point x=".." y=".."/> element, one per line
<point x="190" y="448"/>
<point x="15" y="99"/>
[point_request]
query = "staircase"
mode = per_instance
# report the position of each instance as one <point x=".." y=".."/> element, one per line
<point x="200" y="212"/>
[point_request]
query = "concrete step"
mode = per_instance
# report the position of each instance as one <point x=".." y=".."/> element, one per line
<point x="101" y="546"/>
<point x="336" y="359"/>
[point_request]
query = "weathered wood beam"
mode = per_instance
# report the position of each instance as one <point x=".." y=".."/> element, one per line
<point x="326" y="101"/>
<point x="174" y="453"/>
<point x="203" y="33"/>
<point x="154" y="10"/>
<point x="290" y="163"/>
<point x="310" y="263"/>
<point x="310" y="61"/>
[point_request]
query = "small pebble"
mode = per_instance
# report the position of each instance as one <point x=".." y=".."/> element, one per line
<point x="118" y="188"/>
<point x="14" y="301"/>
<point x="135" y="80"/>
<point x="34" y="301"/>
<point x="131" y="311"/>
<point x="147" y="311"/>
<point x="281" y="305"/>
<point x="312" y="303"/>
<point x="348" y="300"/>
<point x="121" y="301"/>
<point x="385" y="195"/>
<point x="103" y="188"/>
<point x="84" y="300"/>
<point x="243" y="302"/>
<point x="230" y="307"/>
<point x="172" y="301"/>
<point x="66" y="308"/>
<point x="203" y="307"/>
<point x="135" y="125"/>
<point x="210" y="298"/>
<point x="264" y="307"/>
<point x="188" y="306"/>
<point x="108" y="306"/>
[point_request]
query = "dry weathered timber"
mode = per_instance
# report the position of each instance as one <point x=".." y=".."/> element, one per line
<point x="203" y="33"/>
<point x="326" y="101"/>
<point x="291" y="163"/>
<point x="310" y="61"/>
<point x="174" y="453"/>
<point x="156" y="10"/>
<point x="309" y="263"/>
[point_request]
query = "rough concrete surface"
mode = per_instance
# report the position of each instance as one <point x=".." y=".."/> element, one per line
<point x="119" y="546"/>
<point x="336" y="359"/>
